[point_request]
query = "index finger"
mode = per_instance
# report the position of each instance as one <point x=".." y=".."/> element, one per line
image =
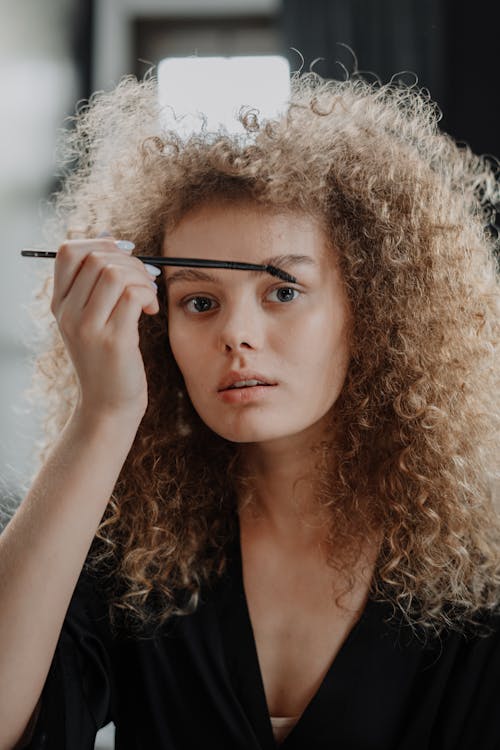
<point x="69" y="259"/>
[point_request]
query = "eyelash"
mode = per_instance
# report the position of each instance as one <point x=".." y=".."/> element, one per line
<point x="184" y="303"/>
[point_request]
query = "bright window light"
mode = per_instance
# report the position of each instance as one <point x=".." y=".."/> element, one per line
<point x="191" y="88"/>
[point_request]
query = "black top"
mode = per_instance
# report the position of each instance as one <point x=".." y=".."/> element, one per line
<point x="198" y="684"/>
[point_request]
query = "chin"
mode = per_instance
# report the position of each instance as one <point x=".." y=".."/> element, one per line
<point x="242" y="435"/>
<point x="247" y="433"/>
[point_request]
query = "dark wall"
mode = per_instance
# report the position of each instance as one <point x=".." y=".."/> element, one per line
<point x="452" y="46"/>
<point x="83" y="19"/>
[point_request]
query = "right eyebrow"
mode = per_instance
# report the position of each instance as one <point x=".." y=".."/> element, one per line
<point x="190" y="274"/>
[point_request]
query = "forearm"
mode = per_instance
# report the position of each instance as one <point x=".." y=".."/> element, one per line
<point x="42" y="552"/>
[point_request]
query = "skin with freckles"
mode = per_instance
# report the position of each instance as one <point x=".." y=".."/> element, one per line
<point x="294" y="335"/>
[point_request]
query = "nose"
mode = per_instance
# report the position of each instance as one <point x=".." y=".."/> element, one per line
<point x="240" y="329"/>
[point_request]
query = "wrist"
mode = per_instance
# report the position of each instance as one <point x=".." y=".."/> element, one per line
<point x="89" y="420"/>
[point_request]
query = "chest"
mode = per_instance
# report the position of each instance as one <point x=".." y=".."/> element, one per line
<point x="298" y="627"/>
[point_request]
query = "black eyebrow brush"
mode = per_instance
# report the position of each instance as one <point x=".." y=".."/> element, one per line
<point x="187" y="262"/>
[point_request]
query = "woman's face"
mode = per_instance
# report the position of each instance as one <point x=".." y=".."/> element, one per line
<point x="230" y="327"/>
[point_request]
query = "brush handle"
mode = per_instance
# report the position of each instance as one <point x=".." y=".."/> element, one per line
<point x="186" y="262"/>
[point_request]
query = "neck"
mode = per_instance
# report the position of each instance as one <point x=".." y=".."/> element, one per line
<point x="284" y="515"/>
<point x="282" y="489"/>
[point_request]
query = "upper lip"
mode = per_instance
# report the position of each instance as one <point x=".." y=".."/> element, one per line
<point x="236" y="376"/>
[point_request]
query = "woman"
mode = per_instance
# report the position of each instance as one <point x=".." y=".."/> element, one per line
<point x="270" y="506"/>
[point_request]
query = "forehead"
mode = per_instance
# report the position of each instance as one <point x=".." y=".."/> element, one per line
<point x="245" y="232"/>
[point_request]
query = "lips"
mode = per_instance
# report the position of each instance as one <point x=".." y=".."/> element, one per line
<point x="229" y="382"/>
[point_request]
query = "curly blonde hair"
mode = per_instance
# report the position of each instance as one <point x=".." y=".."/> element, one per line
<point x="417" y="418"/>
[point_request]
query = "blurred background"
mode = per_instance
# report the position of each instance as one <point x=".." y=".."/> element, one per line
<point x="56" y="52"/>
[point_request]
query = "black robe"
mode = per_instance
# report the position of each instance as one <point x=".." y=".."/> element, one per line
<point x="198" y="684"/>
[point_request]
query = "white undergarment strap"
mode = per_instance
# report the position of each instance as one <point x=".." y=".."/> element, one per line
<point x="282" y="726"/>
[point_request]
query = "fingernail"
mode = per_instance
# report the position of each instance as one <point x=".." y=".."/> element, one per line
<point x="153" y="270"/>
<point x="125" y="245"/>
<point x="104" y="233"/>
<point x="154" y="285"/>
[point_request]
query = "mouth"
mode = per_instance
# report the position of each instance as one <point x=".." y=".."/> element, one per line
<point x="246" y="384"/>
<point x="244" y="380"/>
<point x="240" y="388"/>
<point x="239" y="394"/>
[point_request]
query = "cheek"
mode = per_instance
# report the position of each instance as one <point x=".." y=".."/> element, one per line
<point x="324" y="346"/>
<point x="189" y="352"/>
<point x="178" y="344"/>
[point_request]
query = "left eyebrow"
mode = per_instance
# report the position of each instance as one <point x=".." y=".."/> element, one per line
<point x="192" y="274"/>
<point x="290" y="260"/>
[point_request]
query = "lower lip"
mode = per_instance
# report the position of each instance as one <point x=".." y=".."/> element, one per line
<point x="245" y="395"/>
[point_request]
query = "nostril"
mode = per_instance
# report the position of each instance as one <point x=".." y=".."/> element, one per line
<point x="229" y="348"/>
